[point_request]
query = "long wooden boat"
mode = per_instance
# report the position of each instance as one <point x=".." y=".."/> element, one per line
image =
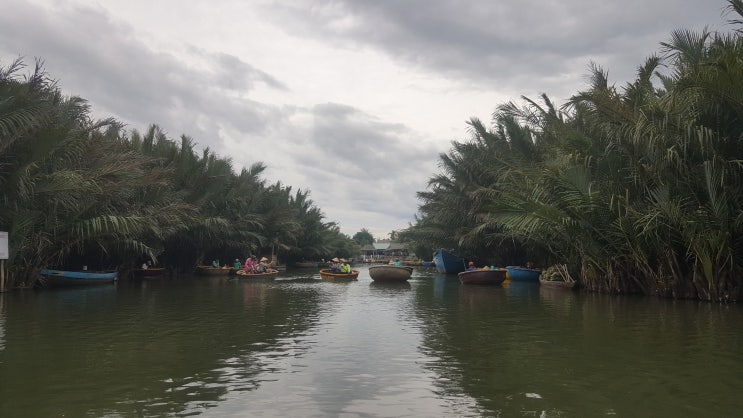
<point x="327" y="275"/>
<point x="212" y="271"/>
<point x="66" y="277"/>
<point x="447" y="262"/>
<point x="148" y="273"/>
<point x="558" y="284"/>
<point x="494" y="276"/>
<point x="390" y="273"/>
<point x="523" y="274"/>
<point x="269" y="274"/>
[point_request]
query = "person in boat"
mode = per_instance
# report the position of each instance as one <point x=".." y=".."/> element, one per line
<point x="238" y="265"/>
<point x="345" y="267"/>
<point x="249" y="264"/>
<point x="471" y="266"/>
<point x="335" y="265"/>
<point x="215" y="263"/>
<point x="397" y="263"/>
<point x="263" y="265"/>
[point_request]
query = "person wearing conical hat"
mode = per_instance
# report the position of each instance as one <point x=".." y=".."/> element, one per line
<point x="335" y="266"/>
<point x="262" y="265"/>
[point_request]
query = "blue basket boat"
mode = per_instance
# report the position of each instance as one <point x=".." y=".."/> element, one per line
<point x="523" y="274"/>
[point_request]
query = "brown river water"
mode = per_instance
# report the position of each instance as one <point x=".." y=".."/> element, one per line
<point x="303" y="347"/>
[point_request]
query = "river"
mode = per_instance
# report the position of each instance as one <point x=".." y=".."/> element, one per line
<point x="303" y="347"/>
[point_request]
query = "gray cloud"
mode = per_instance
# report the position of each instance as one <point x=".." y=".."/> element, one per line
<point x="535" y="43"/>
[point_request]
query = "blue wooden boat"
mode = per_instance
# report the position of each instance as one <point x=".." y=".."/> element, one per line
<point x="65" y="277"/>
<point x="523" y="274"/>
<point x="446" y="262"/>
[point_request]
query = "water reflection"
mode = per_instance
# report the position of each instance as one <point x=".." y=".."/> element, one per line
<point x="167" y="350"/>
<point x="390" y="287"/>
<point x="525" y="350"/>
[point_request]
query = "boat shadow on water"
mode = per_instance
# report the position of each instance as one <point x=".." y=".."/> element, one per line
<point x="390" y="287"/>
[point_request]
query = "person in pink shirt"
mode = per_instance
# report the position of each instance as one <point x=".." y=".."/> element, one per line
<point x="249" y="264"/>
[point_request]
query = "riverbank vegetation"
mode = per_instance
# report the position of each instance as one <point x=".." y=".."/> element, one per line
<point x="77" y="191"/>
<point x="636" y="188"/>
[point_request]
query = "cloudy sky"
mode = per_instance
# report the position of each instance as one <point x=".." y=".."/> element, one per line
<point x="352" y="100"/>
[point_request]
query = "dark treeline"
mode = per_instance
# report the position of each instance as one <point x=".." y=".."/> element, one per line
<point x="636" y="189"/>
<point x="81" y="192"/>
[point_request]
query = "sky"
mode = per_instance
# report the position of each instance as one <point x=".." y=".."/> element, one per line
<point x="351" y="100"/>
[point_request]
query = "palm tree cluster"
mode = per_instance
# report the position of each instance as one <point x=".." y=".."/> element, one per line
<point x="637" y="189"/>
<point x="77" y="191"/>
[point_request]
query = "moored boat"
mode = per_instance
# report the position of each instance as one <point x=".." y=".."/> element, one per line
<point x="148" y="273"/>
<point x="269" y="274"/>
<point x="447" y="262"/>
<point x="212" y="271"/>
<point x="327" y="275"/>
<point x="66" y="277"/>
<point x="390" y="273"/>
<point x="523" y="274"/>
<point x="491" y="276"/>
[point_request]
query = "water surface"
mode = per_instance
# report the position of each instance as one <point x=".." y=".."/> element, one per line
<point x="299" y="346"/>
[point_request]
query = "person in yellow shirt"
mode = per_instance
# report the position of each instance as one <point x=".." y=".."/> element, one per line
<point x="345" y="267"/>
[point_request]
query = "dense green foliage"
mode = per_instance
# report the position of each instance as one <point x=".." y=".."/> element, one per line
<point x="636" y="189"/>
<point x="77" y="191"/>
<point x="363" y="237"/>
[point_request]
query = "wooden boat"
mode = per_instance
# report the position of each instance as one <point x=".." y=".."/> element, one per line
<point x="65" y="277"/>
<point x="148" y="273"/>
<point x="446" y="262"/>
<point x="557" y="284"/>
<point x="494" y="276"/>
<point x="305" y="264"/>
<point x="523" y="274"/>
<point x="390" y="273"/>
<point x="327" y="275"/>
<point x="269" y="274"/>
<point x="212" y="271"/>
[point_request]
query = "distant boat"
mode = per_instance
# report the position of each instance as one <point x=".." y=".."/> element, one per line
<point x="327" y="275"/>
<point x="148" y="273"/>
<point x="446" y="262"/>
<point x="494" y="276"/>
<point x="523" y="274"/>
<point x="65" y="277"/>
<point x="213" y="271"/>
<point x="390" y="273"/>
<point x="269" y="274"/>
